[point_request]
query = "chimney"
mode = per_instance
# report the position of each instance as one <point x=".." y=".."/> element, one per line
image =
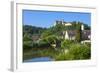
<point x="82" y="27"/>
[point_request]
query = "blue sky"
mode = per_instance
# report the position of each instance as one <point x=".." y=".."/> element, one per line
<point x="47" y="18"/>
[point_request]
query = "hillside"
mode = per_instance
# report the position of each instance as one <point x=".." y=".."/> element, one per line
<point x="31" y="30"/>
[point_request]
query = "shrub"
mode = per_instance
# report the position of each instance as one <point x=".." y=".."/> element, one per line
<point x="60" y="56"/>
<point x="75" y="52"/>
<point x="65" y="44"/>
<point x="78" y="52"/>
<point x="43" y="44"/>
<point x="27" y="45"/>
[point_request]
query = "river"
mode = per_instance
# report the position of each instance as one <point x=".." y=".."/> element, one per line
<point x="39" y="59"/>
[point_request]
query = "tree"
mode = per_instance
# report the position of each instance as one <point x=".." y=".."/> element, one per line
<point x="77" y="27"/>
<point x="27" y="37"/>
<point x="51" y="39"/>
<point x="32" y="29"/>
<point x="86" y="27"/>
<point x="46" y="33"/>
<point x="27" y="45"/>
<point x="58" y="29"/>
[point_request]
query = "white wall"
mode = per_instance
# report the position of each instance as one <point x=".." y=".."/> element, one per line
<point x="5" y="37"/>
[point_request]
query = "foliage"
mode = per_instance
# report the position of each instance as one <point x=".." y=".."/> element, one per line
<point x="58" y="29"/>
<point x="78" y="29"/>
<point x="74" y="25"/>
<point x="87" y="27"/>
<point x="51" y="39"/>
<point x="27" y="37"/>
<point x="78" y="36"/>
<point x="54" y="30"/>
<point x="78" y="51"/>
<point x="46" y="33"/>
<point x="43" y="44"/>
<point x="27" y="42"/>
<point x="27" y="45"/>
<point x="65" y="44"/>
<point x="32" y="29"/>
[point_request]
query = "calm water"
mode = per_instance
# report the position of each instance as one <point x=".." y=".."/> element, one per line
<point x="39" y="59"/>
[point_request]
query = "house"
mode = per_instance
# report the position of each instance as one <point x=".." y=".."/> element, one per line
<point x="70" y="34"/>
<point x="86" y="36"/>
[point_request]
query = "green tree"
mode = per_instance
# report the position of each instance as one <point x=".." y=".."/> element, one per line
<point x="46" y="33"/>
<point x="77" y="26"/>
<point x="27" y="37"/>
<point x="51" y="39"/>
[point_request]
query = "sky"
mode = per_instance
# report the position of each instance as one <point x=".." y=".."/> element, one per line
<point x="46" y="19"/>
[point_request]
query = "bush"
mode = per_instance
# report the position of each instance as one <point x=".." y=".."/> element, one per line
<point x="27" y="45"/>
<point x="65" y="44"/>
<point x="79" y="52"/>
<point x="75" y="52"/>
<point x="43" y="44"/>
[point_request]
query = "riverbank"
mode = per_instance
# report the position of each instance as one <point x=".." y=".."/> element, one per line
<point x="75" y="52"/>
